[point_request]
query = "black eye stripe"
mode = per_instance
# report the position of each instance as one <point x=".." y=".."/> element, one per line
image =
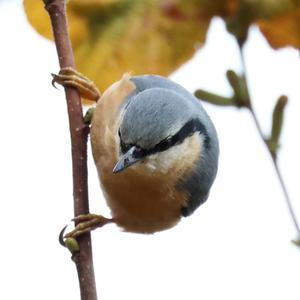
<point x="187" y="130"/>
<point x="164" y="144"/>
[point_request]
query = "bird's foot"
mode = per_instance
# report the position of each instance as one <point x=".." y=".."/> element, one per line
<point x="87" y="223"/>
<point x="69" y="77"/>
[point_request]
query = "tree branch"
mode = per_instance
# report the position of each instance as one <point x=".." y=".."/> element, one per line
<point x="79" y="134"/>
<point x="273" y="156"/>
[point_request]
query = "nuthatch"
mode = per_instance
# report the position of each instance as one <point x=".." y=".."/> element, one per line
<point x="156" y="152"/>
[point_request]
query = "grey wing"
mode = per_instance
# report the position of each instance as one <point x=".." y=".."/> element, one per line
<point x="197" y="184"/>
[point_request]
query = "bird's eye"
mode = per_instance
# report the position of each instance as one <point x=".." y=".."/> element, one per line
<point x="163" y="145"/>
<point x="125" y="147"/>
<point x="140" y="152"/>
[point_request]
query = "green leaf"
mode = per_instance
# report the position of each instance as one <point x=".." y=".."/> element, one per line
<point x="277" y="122"/>
<point x="72" y="245"/>
<point x="214" y="98"/>
<point x="240" y="89"/>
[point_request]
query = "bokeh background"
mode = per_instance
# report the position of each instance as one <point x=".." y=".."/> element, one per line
<point x="236" y="246"/>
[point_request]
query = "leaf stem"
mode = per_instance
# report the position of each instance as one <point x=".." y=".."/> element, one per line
<point x="79" y="134"/>
<point x="272" y="153"/>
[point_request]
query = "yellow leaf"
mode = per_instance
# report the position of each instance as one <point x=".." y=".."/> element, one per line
<point x="111" y="37"/>
<point x="282" y="30"/>
<point x="39" y="18"/>
<point x="37" y="15"/>
<point x="279" y="20"/>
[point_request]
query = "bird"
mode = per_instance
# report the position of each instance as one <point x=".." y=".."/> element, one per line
<point x="156" y="151"/>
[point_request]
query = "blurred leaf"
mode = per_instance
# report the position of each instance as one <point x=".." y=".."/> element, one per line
<point x="39" y="18"/>
<point x="117" y="36"/>
<point x="240" y="89"/>
<point x="278" y="20"/>
<point x="214" y="98"/>
<point x="238" y="23"/>
<point x="111" y="37"/>
<point x="277" y="122"/>
<point x="282" y="30"/>
<point x="296" y="242"/>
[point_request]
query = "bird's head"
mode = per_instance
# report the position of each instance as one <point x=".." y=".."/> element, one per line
<point x="159" y="131"/>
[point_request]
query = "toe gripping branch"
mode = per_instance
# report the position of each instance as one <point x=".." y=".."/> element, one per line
<point x="85" y="223"/>
<point x="69" y="77"/>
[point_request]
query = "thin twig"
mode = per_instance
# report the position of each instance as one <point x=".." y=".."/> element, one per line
<point x="272" y="154"/>
<point x="79" y="134"/>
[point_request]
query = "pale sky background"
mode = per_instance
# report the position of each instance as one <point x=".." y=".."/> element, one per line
<point x="236" y="246"/>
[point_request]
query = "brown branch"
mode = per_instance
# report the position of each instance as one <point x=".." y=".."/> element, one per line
<point x="278" y="173"/>
<point x="79" y="134"/>
<point x="273" y="156"/>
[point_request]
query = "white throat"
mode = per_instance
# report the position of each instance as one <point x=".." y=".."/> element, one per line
<point x="178" y="158"/>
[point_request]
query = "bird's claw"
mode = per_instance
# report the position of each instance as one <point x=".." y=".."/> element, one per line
<point x="85" y="223"/>
<point x="69" y="77"/>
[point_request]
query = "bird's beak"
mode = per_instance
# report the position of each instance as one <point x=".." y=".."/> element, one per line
<point x="127" y="160"/>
